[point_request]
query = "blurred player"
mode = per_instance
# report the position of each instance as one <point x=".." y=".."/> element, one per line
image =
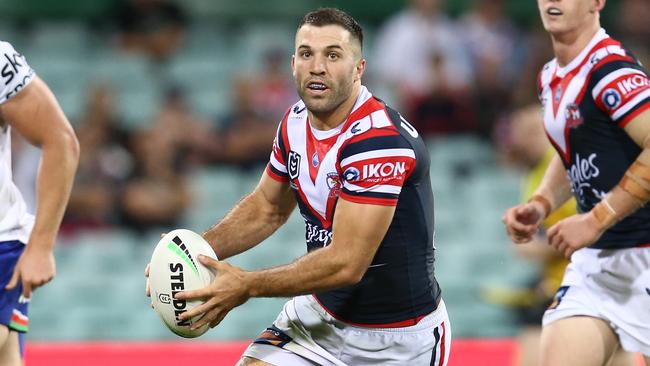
<point x="528" y="147"/>
<point x="27" y="105"/>
<point x="596" y="100"/>
<point x="365" y="294"/>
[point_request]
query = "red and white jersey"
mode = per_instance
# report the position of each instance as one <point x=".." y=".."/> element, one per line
<point x="374" y="157"/>
<point x="586" y="104"/>
<point x="15" y="222"/>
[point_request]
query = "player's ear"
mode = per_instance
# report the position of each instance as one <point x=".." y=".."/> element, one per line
<point x="598" y="5"/>
<point x="360" y="68"/>
<point x="293" y="65"/>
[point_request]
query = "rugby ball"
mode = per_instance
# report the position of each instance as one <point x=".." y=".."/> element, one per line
<point x="175" y="267"/>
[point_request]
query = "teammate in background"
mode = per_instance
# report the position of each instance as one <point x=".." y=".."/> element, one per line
<point x="596" y="101"/>
<point x="28" y="105"/>
<point x="529" y="148"/>
<point x="365" y="294"/>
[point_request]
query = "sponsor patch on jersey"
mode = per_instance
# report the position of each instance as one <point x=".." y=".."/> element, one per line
<point x="383" y="171"/>
<point x="274" y="337"/>
<point x="294" y="164"/>
<point x="558" y="297"/>
<point x="611" y="98"/>
<point x="351" y="174"/>
<point x="316" y="236"/>
<point x="359" y="127"/>
<point x="633" y="83"/>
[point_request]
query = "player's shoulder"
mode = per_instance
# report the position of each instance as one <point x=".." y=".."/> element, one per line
<point x="9" y="55"/>
<point x="6" y="47"/>
<point x="612" y="57"/>
<point x="376" y="131"/>
<point x="375" y="120"/>
<point x="15" y="73"/>
<point x="297" y="111"/>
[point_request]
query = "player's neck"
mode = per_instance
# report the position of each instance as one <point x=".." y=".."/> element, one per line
<point x="331" y="120"/>
<point x="567" y="46"/>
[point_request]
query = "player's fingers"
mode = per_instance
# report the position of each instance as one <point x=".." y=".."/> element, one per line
<point x="210" y="262"/>
<point x="216" y="322"/>
<point x="201" y="294"/>
<point x="552" y="232"/>
<point x="521" y="228"/>
<point x="207" y="318"/>
<point x="147" y="288"/>
<point x="520" y="239"/>
<point x="524" y="210"/>
<point x="198" y="310"/>
<point x="27" y="290"/>
<point x="14" y="280"/>
<point x="147" y="269"/>
<point x="568" y="251"/>
<point x="558" y="243"/>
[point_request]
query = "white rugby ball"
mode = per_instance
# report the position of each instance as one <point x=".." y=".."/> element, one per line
<point x="175" y="267"/>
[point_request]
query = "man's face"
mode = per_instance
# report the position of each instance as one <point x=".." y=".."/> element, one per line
<point x="326" y="64"/>
<point x="563" y="16"/>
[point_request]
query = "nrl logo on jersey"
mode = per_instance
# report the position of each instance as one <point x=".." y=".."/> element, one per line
<point x="293" y="164"/>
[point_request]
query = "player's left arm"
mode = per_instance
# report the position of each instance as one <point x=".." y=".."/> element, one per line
<point x="358" y="230"/>
<point x="36" y="115"/>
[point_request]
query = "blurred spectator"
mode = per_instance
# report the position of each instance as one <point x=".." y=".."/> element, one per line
<point x="247" y="132"/>
<point x="157" y="193"/>
<point x="442" y="110"/>
<point x="183" y="129"/>
<point x="490" y="38"/>
<point x="536" y="50"/>
<point x="104" y="164"/>
<point x="633" y="27"/>
<point x="274" y="88"/>
<point x="404" y="48"/>
<point x="154" y="27"/>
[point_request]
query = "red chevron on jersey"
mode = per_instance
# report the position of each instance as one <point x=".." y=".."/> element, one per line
<point x="563" y="88"/>
<point x="317" y="172"/>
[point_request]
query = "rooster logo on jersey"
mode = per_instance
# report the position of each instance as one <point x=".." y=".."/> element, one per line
<point x="334" y="184"/>
<point x="573" y="116"/>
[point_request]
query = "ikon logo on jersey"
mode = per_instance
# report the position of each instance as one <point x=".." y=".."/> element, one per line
<point x="611" y="98"/>
<point x="632" y="83"/>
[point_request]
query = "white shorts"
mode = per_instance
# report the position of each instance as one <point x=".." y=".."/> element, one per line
<point x="613" y="285"/>
<point x="304" y="334"/>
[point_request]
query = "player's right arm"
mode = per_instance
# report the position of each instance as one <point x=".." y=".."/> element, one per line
<point x="523" y="221"/>
<point x="31" y="109"/>
<point x="259" y="214"/>
<point x="253" y="219"/>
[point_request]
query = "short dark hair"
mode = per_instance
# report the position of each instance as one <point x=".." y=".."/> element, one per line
<point x="333" y="16"/>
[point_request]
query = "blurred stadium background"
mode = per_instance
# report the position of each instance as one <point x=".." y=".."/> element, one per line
<point x="206" y="80"/>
